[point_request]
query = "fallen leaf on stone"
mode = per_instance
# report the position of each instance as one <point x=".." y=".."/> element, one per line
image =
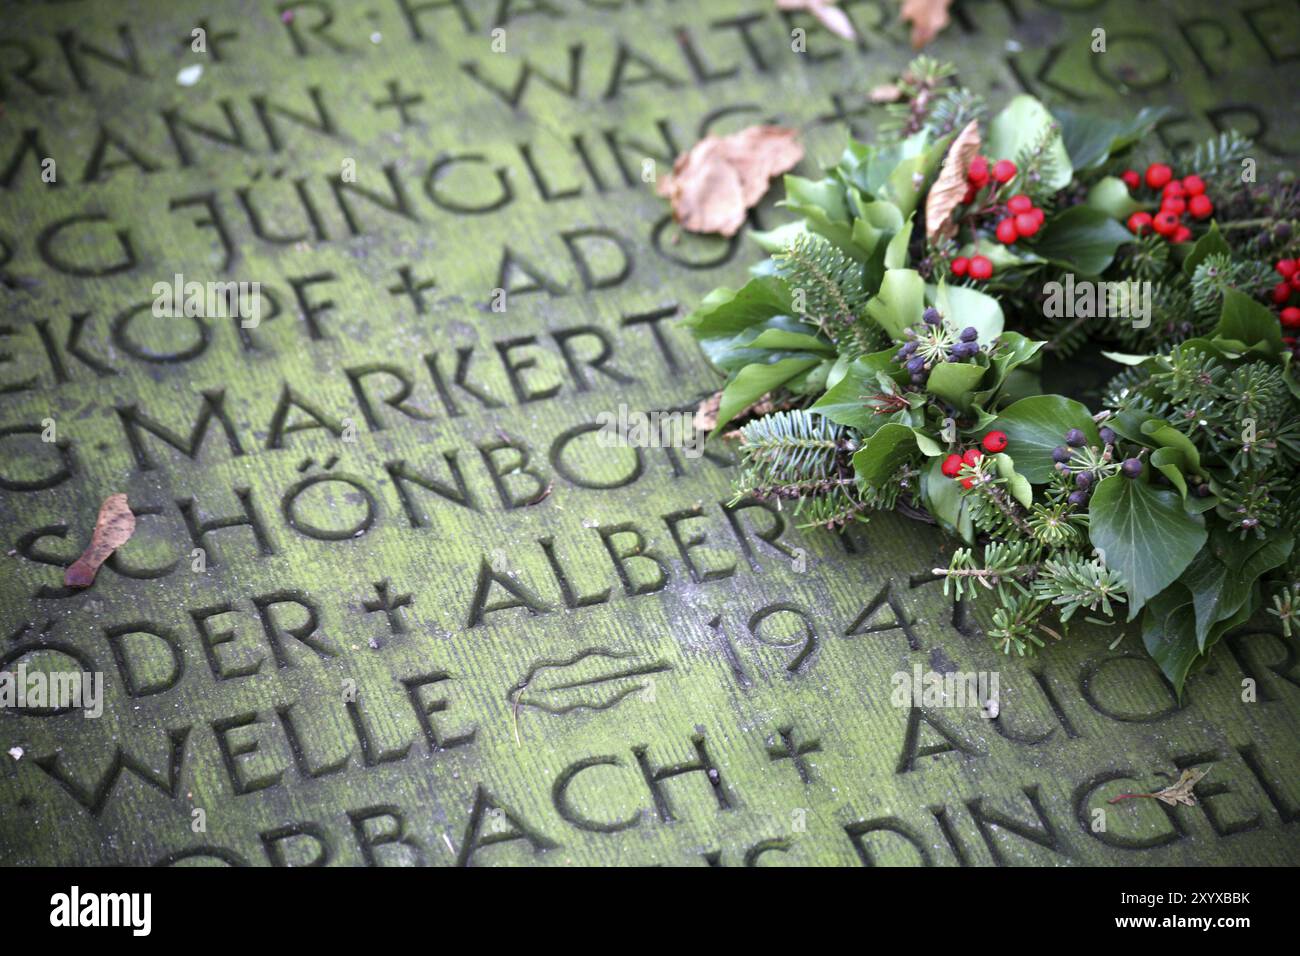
<point x="831" y="17"/>
<point x="706" y="415"/>
<point x="1180" y="791"/>
<point x="950" y="186"/>
<point x="764" y="406"/>
<point x="719" y="179"/>
<point x="113" y="528"/>
<point x="927" y="17"/>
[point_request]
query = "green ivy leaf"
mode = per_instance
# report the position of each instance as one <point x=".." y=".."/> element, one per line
<point x="1222" y="575"/>
<point x="962" y="306"/>
<point x="753" y="382"/>
<point x="1126" y="358"/>
<point x="1111" y="196"/>
<point x="1169" y="633"/>
<point x="954" y="382"/>
<point x="791" y="340"/>
<point x="1162" y="434"/>
<point x="811" y="382"/>
<point x="825" y="194"/>
<point x="1017" y="483"/>
<point x="1014" y="350"/>
<point x="896" y="251"/>
<point x="1082" y="239"/>
<point x="929" y="447"/>
<point x="1091" y="140"/>
<point x="1171" y="463"/>
<point x="785" y="337"/>
<point x="899" y="303"/>
<point x="1247" y="321"/>
<point x="1037" y="425"/>
<point x="915" y="174"/>
<point x="823" y="205"/>
<point x="1145" y="533"/>
<point x="844" y="402"/>
<point x="1211" y="243"/>
<point x="1021" y="126"/>
<point x="727" y="312"/>
<point x="773" y="241"/>
<point x="875" y="228"/>
<point x="884" y="453"/>
<point x="942" y="497"/>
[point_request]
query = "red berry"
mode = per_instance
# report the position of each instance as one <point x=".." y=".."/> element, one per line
<point x="1139" y="222"/>
<point x="1006" y="231"/>
<point x="969" y="196"/>
<point x="1194" y="185"/>
<point x="968" y="482"/>
<point x="1039" y="216"/>
<point x="1181" y="234"/>
<point x="1281" y="292"/>
<point x="978" y="172"/>
<point x="1175" y="204"/>
<point x="971" y="456"/>
<point x="951" y="466"/>
<point x="981" y="268"/>
<point x="1131" y="178"/>
<point x="1026" y="224"/>
<point x="1285" y="268"/>
<point x="1295" y="279"/>
<point x="995" y="442"/>
<point x="1158" y="175"/>
<point x="959" y="266"/>
<point x="1165" y="223"/>
<point x="1201" y="207"/>
<point x="1004" y="170"/>
<point x="1173" y="190"/>
<point x="1291" y="317"/>
<point x="1019" y="203"/>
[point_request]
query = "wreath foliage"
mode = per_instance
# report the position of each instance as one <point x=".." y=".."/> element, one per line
<point x="901" y="325"/>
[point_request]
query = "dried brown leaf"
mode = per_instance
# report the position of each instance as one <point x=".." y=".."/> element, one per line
<point x="1181" y="790"/>
<point x="831" y="17"/>
<point x="706" y="415"/>
<point x="927" y="17"/>
<point x="950" y="186"/>
<point x="719" y="179"/>
<point x="113" y="528"/>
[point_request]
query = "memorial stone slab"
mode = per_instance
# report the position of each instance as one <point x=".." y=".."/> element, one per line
<point x="390" y="598"/>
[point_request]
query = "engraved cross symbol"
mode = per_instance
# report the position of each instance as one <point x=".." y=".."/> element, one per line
<point x="787" y="750"/>
<point x="412" y="287"/>
<point x="396" y="100"/>
<point x="389" y="605"/>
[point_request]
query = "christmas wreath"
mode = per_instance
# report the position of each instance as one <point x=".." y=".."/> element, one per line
<point x="888" y="355"/>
